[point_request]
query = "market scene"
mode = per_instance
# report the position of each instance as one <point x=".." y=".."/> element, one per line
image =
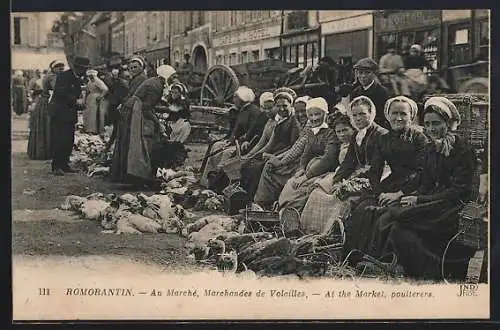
<point x="319" y="143"/>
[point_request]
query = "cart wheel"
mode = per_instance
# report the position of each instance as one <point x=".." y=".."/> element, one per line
<point x="475" y="86"/>
<point x="219" y="85"/>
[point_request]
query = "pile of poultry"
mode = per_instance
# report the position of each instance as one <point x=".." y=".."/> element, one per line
<point x="182" y="186"/>
<point x="229" y="244"/>
<point x="89" y="152"/>
<point x="129" y="213"/>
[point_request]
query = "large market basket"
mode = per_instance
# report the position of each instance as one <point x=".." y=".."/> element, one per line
<point x="473" y="109"/>
<point x="232" y="166"/>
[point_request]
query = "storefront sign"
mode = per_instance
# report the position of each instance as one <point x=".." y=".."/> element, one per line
<point x="300" y="39"/>
<point x="347" y="24"/>
<point x="236" y="37"/>
<point x="404" y="20"/>
<point x="453" y="15"/>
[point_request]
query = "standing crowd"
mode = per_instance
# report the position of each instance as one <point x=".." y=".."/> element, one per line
<point x="121" y="96"/>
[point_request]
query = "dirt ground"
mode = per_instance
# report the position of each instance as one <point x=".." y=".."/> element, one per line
<point x="39" y="229"/>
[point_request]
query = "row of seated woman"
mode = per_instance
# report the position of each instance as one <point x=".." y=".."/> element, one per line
<point x="398" y="191"/>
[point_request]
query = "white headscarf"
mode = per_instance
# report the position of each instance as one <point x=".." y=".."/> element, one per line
<point x="92" y="72"/>
<point x="165" y="71"/>
<point x="417" y="47"/>
<point x="137" y="59"/>
<point x="302" y="99"/>
<point x="413" y="106"/>
<point x="245" y="94"/>
<point x="364" y="100"/>
<point x="19" y="73"/>
<point x="321" y="104"/>
<point x="447" y="108"/>
<point x="373" y="111"/>
<point x="264" y="97"/>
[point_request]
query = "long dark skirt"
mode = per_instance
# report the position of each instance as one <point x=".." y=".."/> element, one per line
<point x="19" y="99"/>
<point x="251" y="171"/>
<point x="418" y="236"/>
<point x="272" y="182"/>
<point x="361" y="229"/>
<point x="40" y="138"/>
<point x="118" y="170"/>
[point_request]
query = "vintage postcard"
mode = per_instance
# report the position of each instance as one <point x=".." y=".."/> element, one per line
<point x="250" y="165"/>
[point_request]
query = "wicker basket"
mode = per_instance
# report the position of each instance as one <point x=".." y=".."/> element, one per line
<point x="261" y="220"/>
<point x="473" y="109"/>
<point x="473" y="226"/>
<point x="232" y="166"/>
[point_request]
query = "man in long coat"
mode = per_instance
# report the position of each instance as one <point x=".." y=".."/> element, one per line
<point x="63" y="108"/>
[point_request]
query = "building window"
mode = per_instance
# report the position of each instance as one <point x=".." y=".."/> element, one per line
<point x="273" y="53"/>
<point x="233" y="59"/>
<point x="225" y="60"/>
<point x="255" y="56"/>
<point x="244" y="57"/>
<point x="484" y="40"/>
<point x="33" y="32"/>
<point x="459" y="45"/>
<point x="298" y="20"/>
<point x="301" y="58"/>
<point x="301" y="55"/>
<point x="127" y="45"/>
<point x="17" y="30"/>
<point x="428" y="39"/>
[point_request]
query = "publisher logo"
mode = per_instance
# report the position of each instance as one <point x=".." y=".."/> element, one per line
<point x="468" y="290"/>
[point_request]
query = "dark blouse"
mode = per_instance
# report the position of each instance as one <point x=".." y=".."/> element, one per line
<point x="135" y="83"/>
<point x="358" y="156"/>
<point x="177" y="109"/>
<point x="404" y="152"/>
<point x="442" y="177"/>
<point x="150" y="93"/>
<point x="284" y="136"/>
<point x="48" y="83"/>
<point x="324" y="145"/>
<point x="246" y="118"/>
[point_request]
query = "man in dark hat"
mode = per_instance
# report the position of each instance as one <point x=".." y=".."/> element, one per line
<point x="366" y="73"/>
<point x="63" y="108"/>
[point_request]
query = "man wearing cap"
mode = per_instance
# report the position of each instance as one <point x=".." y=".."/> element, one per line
<point x="365" y="71"/>
<point x="63" y="109"/>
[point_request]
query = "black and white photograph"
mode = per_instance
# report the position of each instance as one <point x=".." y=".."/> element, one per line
<point x="250" y="164"/>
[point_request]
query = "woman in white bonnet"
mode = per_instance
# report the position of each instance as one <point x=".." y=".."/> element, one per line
<point x="425" y="219"/>
<point x="245" y="114"/>
<point x="316" y="157"/>
<point x="118" y="170"/>
<point x="323" y="203"/>
<point x="145" y="128"/>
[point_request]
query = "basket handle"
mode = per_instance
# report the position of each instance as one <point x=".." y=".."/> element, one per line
<point x="238" y="149"/>
<point x="341" y="228"/>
